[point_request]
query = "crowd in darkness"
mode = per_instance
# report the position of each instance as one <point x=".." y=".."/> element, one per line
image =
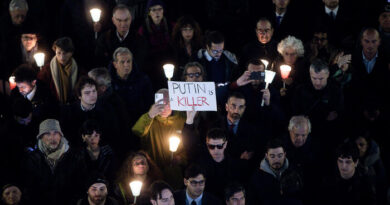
<point x="96" y="115"/>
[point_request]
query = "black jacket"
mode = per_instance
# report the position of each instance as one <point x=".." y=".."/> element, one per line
<point x="207" y="199"/>
<point x="62" y="186"/>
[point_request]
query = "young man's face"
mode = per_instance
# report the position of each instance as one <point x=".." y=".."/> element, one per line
<point x="92" y="140"/>
<point x="88" y="95"/>
<point x="165" y="199"/>
<point x="216" y="148"/>
<point x="346" y="167"/>
<point x="319" y="80"/>
<point x="195" y="185"/>
<point x="62" y="56"/>
<point x="237" y="199"/>
<point x="216" y="50"/>
<point x="25" y="87"/>
<point x="97" y="193"/>
<point x="276" y="157"/>
<point x="299" y="135"/>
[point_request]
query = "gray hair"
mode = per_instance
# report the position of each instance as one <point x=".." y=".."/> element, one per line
<point x="291" y="42"/>
<point x="101" y="76"/>
<point x="18" y="5"/>
<point x="298" y="122"/>
<point x="193" y="64"/>
<point x="121" y="51"/>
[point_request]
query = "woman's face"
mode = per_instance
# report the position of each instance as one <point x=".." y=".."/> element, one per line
<point x="12" y="195"/>
<point x="290" y="56"/>
<point x="62" y="56"/>
<point x="362" y="144"/>
<point x="92" y="140"/>
<point x="140" y="165"/>
<point x="187" y="32"/>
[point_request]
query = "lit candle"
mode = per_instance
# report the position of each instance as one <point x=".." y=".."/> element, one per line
<point x="285" y="72"/>
<point x="269" y="77"/>
<point x="174" y="142"/>
<point x="265" y="62"/>
<point x="168" y="70"/>
<point x="135" y="187"/>
<point x="39" y="59"/>
<point x="95" y="14"/>
<point x="12" y="83"/>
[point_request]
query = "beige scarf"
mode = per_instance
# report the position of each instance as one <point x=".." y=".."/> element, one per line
<point x="58" y="78"/>
<point x="52" y="156"/>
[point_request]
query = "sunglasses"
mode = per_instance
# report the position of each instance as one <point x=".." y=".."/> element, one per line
<point x="218" y="146"/>
<point x="191" y="75"/>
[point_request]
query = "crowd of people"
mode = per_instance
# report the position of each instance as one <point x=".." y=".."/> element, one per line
<point x="96" y="115"/>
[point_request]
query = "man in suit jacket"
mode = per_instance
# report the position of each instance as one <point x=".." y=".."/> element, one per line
<point x="195" y="181"/>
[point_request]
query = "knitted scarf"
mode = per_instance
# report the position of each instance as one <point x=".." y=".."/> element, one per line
<point x="64" y="78"/>
<point x="52" y="156"/>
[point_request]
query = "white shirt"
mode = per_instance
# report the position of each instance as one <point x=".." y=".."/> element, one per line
<point x="197" y="200"/>
<point x="31" y="95"/>
<point x="119" y="36"/>
<point x="328" y="10"/>
<point x="281" y="16"/>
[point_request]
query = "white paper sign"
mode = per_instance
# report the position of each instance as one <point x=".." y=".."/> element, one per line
<point x="186" y="95"/>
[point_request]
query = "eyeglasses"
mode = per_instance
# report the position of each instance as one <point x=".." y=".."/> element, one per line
<point x="191" y="75"/>
<point x="187" y="29"/>
<point x="218" y="146"/>
<point x="216" y="51"/>
<point x="194" y="182"/>
<point x="139" y="163"/>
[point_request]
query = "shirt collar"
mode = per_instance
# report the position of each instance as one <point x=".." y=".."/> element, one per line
<point x="282" y="14"/>
<point x="120" y="38"/>
<point x="31" y="95"/>
<point x="197" y="200"/>
<point x="207" y="55"/>
<point x="84" y="109"/>
<point x="365" y="59"/>
<point x="328" y="10"/>
<point x="229" y="123"/>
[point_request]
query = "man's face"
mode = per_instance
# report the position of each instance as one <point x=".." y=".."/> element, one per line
<point x="123" y="65"/>
<point x="187" y="32"/>
<point x="276" y="157"/>
<point x="256" y="68"/>
<point x="290" y="56"/>
<point x="88" y="95"/>
<point x="156" y="13"/>
<point x="299" y="135"/>
<point x="320" y="39"/>
<point x="194" y="74"/>
<point x="370" y="43"/>
<point x="165" y="199"/>
<point x="346" y="167"/>
<point x="384" y="21"/>
<point x="167" y="108"/>
<point x="216" y="50"/>
<point x="362" y="144"/>
<point x="264" y="31"/>
<point x="18" y="16"/>
<point x="12" y="195"/>
<point x="195" y="186"/>
<point x="217" y="148"/>
<point x="235" y="108"/>
<point x="122" y="20"/>
<point x="25" y="87"/>
<point x="331" y="4"/>
<point x="92" y="140"/>
<point x="237" y="199"/>
<point x="29" y="41"/>
<point x="281" y="4"/>
<point x="319" y="80"/>
<point x="51" y="140"/>
<point x="140" y="165"/>
<point x="97" y="193"/>
<point x="63" y="57"/>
